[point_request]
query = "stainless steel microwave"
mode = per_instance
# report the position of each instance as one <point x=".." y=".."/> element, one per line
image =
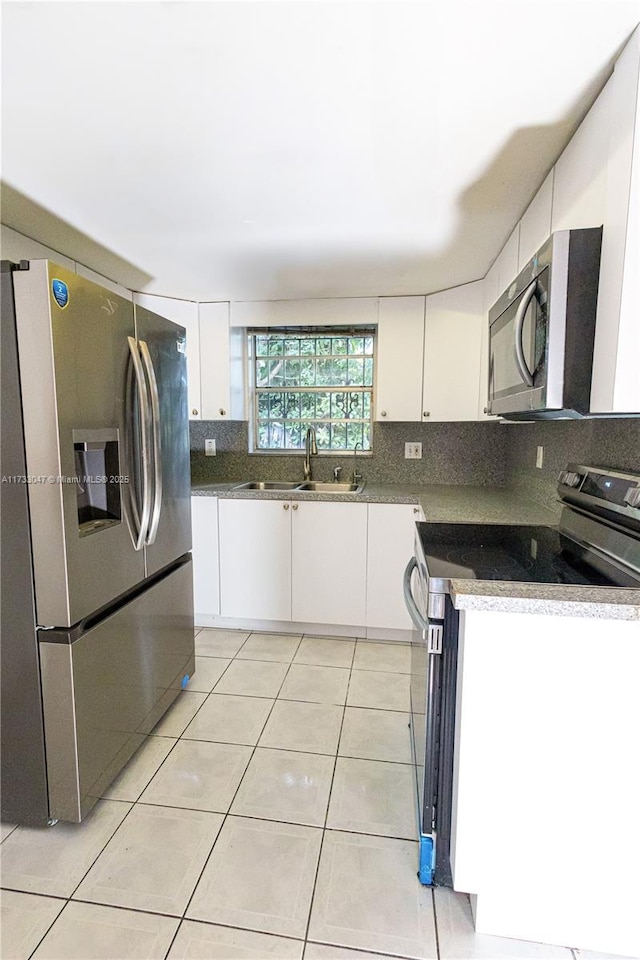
<point x="542" y="329"/>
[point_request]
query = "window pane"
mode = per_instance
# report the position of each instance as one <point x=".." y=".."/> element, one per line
<point x="292" y="373"/>
<point x="292" y="406"/>
<point x="276" y="435"/>
<point x="289" y="368"/>
<point x="276" y="406"/>
<point x="339" y="406"/>
<point x="262" y="373"/>
<point x="276" y="373"/>
<point x="263" y="406"/>
<point x="356" y="372"/>
<point x="323" y="405"/>
<point x="308" y="405"/>
<point x="338" y="436"/>
<point x="324" y="373"/>
<point x="323" y="436"/>
<point x="293" y="439"/>
<point x="340" y="373"/>
<point x="307" y="373"/>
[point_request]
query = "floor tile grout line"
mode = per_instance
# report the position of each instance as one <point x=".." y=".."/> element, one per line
<point x="326" y="815"/>
<point x="102" y="850"/>
<point x="49" y="928"/>
<point x="436" y="932"/>
<point x="358" y="950"/>
<point x="227" y="814"/>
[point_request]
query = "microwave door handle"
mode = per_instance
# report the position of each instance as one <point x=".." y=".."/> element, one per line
<point x="155" y="433"/>
<point x="143" y="403"/>
<point x="521" y="363"/>
<point x="414" y="613"/>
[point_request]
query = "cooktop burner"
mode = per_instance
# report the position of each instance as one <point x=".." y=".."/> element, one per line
<point x="529" y="554"/>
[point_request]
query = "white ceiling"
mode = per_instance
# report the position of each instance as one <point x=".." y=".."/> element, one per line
<point x="242" y="150"/>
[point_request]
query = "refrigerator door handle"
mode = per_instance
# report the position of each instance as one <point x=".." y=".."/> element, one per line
<point x="156" y="443"/>
<point x="138" y="537"/>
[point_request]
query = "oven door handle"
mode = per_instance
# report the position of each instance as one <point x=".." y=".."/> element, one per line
<point x="521" y="363"/>
<point x="414" y="613"/>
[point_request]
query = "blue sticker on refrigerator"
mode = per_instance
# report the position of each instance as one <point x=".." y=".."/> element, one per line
<point x="60" y="292"/>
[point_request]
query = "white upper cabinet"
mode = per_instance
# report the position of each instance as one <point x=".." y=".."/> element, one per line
<point x="580" y="176"/>
<point x="184" y="312"/>
<point x="490" y="293"/>
<point x="508" y="261"/>
<point x="326" y="312"/>
<point x="221" y="364"/>
<point x="452" y="349"/>
<point x="535" y="226"/>
<point x="400" y="348"/>
<point x="616" y="359"/>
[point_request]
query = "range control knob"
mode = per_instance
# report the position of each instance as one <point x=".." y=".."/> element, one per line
<point x="632" y="497"/>
<point x="569" y="479"/>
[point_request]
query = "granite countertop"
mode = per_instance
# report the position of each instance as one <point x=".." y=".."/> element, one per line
<point x="456" y="503"/>
<point x="441" y="502"/>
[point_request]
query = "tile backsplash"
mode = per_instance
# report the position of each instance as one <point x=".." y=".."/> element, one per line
<point x="460" y="453"/>
<point x="484" y="454"/>
<point x="611" y="443"/>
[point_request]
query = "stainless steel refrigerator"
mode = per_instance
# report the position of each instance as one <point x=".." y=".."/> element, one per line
<point x="97" y="603"/>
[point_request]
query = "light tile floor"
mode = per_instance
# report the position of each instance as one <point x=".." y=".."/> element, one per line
<point x="271" y="815"/>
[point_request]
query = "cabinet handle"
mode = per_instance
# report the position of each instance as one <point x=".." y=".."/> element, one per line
<point x="485" y="409"/>
<point x="222" y="412"/>
<point x="195" y="413"/>
<point x="295" y="506"/>
<point x="426" y="413"/>
<point x="415" y="510"/>
<point x="285" y="506"/>
<point x="383" y="413"/>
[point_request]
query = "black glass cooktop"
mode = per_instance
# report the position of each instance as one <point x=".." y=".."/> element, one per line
<point x="529" y="554"/>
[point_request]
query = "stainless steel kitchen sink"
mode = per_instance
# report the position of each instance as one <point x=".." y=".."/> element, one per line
<point x="268" y="485"/>
<point x="301" y="486"/>
<point x="317" y="486"/>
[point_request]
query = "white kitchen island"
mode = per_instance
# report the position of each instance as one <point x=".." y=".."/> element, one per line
<point x="546" y="793"/>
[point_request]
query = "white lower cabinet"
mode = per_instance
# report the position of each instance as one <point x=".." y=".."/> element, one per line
<point x="329" y="549"/>
<point x="389" y="549"/>
<point x="206" y="574"/>
<point x="255" y="559"/>
<point x="293" y="561"/>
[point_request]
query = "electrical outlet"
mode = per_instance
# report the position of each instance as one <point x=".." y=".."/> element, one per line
<point x="209" y="448"/>
<point x="413" y="451"/>
<point x="539" y="457"/>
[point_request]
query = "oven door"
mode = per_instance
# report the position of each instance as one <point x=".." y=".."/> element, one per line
<point x="426" y="649"/>
<point x="518" y="351"/>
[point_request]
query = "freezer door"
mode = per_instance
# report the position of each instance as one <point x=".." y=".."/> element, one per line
<point x="73" y="351"/>
<point x="162" y="349"/>
<point x="105" y="691"/>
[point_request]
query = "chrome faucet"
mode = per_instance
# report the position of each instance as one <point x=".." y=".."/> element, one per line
<point x="310" y="450"/>
<point x="357" y="477"/>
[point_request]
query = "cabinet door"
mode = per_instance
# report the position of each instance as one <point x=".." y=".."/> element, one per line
<point x="329" y="551"/>
<point x="453" y="340"/>
<point x="535" y="226"/>
<point x="255" y="559"/>
<point x="221" y="364"/>
<point x="400" y="350"/>
<point x="206" y="571"/>
<point x="184" y="312"/>
<point x="490" y="293"/>
<point x="389" y="549"/>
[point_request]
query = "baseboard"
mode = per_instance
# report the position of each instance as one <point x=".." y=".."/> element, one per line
<point x="314" y="629"/>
